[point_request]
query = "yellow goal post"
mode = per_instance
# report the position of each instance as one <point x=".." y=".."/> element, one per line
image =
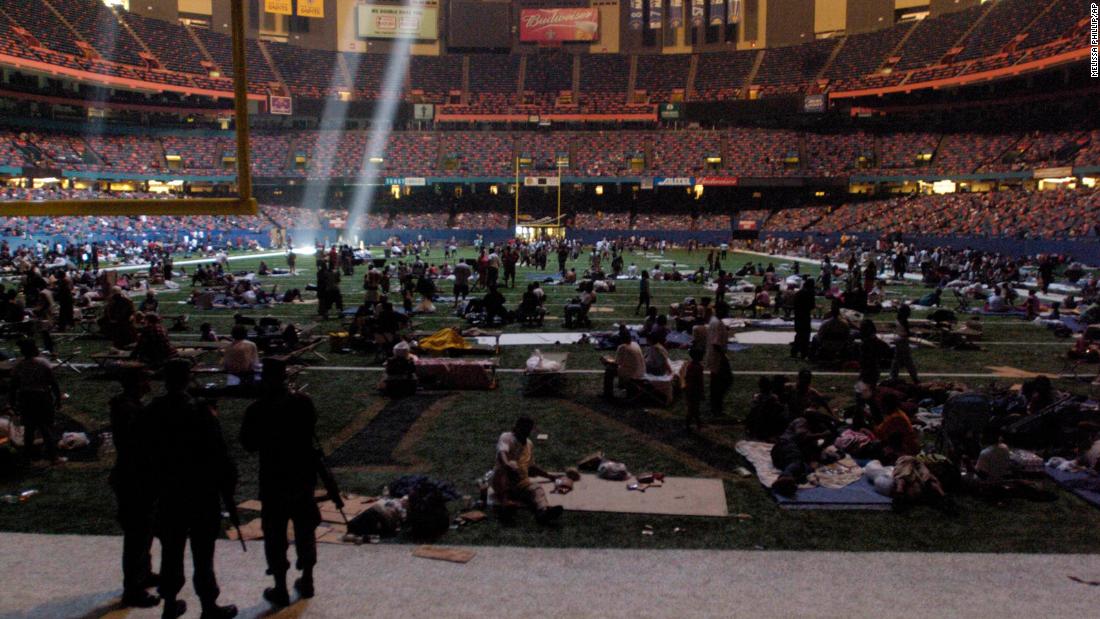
<point x="243" y="204"/>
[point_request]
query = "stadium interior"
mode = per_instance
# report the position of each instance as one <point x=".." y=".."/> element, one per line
<point x="720" y="186"/>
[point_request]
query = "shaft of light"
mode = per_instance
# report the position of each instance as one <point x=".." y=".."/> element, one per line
<point x="381" y="124"/>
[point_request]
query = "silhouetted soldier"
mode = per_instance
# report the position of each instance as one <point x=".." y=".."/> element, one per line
<point x="280" y="426"/>
<point x="132" y="481"/>
<point x="193" y="473"/>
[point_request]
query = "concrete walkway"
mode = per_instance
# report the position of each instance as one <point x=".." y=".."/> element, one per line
<point x="73" y="576"/>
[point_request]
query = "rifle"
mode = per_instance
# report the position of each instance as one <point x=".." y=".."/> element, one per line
<point x="234" y="517"/>
<point x="328" y="481"/>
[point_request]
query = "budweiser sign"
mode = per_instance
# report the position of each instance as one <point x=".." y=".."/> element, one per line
<point x="546" y="25"/>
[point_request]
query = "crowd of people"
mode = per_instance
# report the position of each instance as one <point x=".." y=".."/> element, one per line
<point x="1050" y="214"/>
<point x="737" y="152"/>
<point x="163" y="484"/>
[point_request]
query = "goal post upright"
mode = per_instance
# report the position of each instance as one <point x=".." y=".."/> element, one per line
<point x="516" y="223"/>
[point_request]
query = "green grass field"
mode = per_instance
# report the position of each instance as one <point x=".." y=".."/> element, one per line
<point x="453" y="439"/>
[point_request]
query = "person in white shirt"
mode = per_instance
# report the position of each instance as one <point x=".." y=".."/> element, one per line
<point x="629" y="361"/>
<point x="716" y="361"/>
<point x="512" y="471"/>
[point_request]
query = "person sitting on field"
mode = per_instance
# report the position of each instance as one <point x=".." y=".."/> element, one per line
<point x="400" y="376"/>
<point x="512" y="472"/>
<point x="576" y="312"/>
<point x="530" y="306"/>
<point x="153" y="346"/>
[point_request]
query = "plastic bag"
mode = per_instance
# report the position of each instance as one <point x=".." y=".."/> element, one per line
<point x="611" y="470"/>
<point x="73" y="440"/>
<point x="537" y="363"/>
<point x="13" y="431"/>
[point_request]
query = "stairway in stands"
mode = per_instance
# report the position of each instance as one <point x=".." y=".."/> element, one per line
<point x="202" y="48"/>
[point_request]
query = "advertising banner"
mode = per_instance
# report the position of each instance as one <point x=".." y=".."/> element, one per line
<point x="718" y="181"/>
<point x="311" y="8"/>
<point x="546" y="25"/>
<point x="733" y="16"/>
<point x="717" y="12"/>
<point x="675" y="13"/>
<point x="698" y="13"/>
<point x="282" y="106"/>
<point x="673" y="181"/>
<point x="541" y="181"/>
<point x="636" y="14"/>
<point x="379" y="21"/>
<point x="278" y="7"/>
<point x="655" y="14"/>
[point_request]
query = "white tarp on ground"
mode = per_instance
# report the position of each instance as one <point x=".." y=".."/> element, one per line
<point x="532" y="339"/>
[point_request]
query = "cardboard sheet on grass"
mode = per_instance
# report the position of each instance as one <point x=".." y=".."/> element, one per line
<point x="840" y="485"/>
<point x="678" y="496"/>
<point x="765" y="338"/>
<point x="331" y="530"/>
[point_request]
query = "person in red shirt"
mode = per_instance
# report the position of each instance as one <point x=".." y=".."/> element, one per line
<point x="896" y="432"/>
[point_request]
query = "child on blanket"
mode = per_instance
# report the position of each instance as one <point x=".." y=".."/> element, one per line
<point x="798" y="451"/>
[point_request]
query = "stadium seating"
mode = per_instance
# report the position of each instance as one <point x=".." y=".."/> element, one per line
<point x="897" y="152"/>
<point x="674" y="154"/>
<point x="436" y="76"/>
<point x="1046" y="27"/>
<point x="760" y="152"/>
<point x="125" y="152"/>
<point x="721" y="76"/>
<point x="489" y="154"/>
<point x="1056" y="23"/>
<point x="493" y="81"/>
<point x="308" y="72"/>
<point x="1005" y="20"/>
<point x="934" y="36"/>
<point x="220" y="47"/>
<point x="795" y="65"/>
<point x="862" y="54"/>
<point x="659" y="75"/>
<point x="835" y="154"/>
<point x="549" y="72"/>
<point x="743" y="152"/>
<point x="795" y="219"/>
<point x="481" y="220"/>
<point x="97" y="25"/>
<point x="43" y="25"/>
<point x="604" y="80"/>
<point x="602" y="221"/>
<point x="602" y="153"/>
<point x="368" y="73"/>
<point x="966" y="152"/>
<point x="1053" y="214"/>
<point x="543" y="149"/>
<point x="173" y="46"/>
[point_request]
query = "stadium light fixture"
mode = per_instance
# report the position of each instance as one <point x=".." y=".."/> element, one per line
<point x="243" y="204"/>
